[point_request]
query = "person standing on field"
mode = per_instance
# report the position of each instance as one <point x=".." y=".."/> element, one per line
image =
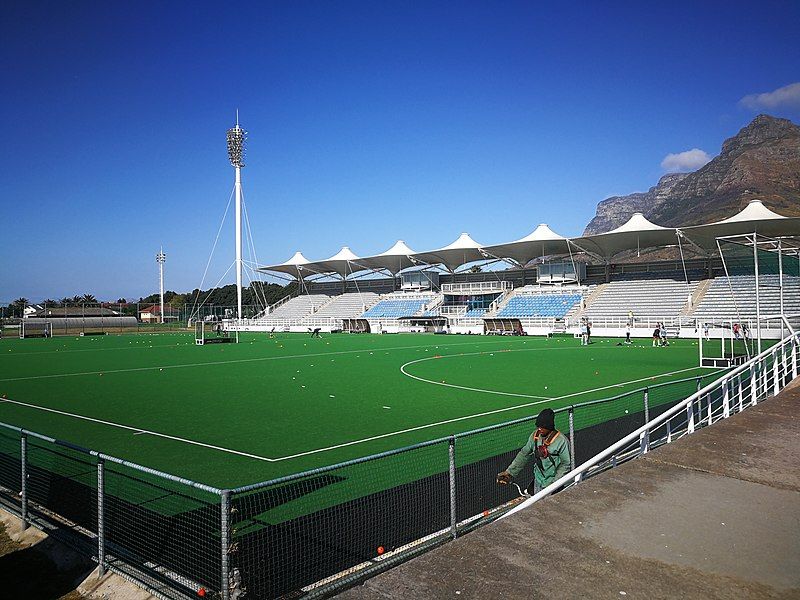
<point x="549" y="450"/>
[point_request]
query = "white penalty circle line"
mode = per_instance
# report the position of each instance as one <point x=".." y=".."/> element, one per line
<point x="229" y="362"/>
<point x="520" y="395"/>
<point x="140" y="431"/>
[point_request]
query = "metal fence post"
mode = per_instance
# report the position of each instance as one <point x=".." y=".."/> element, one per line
<point x="644" y="439"/>
<point x="786" y="353"/>
<point x="23" y="457"/>
<point x="690" y="417"/>
<point x="726" y="399"/>
<point x="775" y="375"/>
<point x="794" y="359"/>
<point x="101" y="537"/>
<point x="754" y="384"/>
<point x="699" y="416"/>
<point x="225" y="534"/>
<point x="451" y="450"/>
<point x="571" y="413"/>
<point x="740" y="392"/>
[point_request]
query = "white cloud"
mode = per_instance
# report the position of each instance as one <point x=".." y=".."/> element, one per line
<point x="787" y="96"/>
<point x="689" y="160"/>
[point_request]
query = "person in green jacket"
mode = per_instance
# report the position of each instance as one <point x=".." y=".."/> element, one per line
<point x="549" y="449"/>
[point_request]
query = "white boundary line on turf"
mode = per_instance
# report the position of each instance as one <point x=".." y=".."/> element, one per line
<point x="139" y="430"/>
<point x="500" y="393"/>
<point x="228" y="362"/>
<point x="59" y="351"/>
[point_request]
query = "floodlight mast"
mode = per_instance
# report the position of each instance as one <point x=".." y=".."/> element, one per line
<point x="161" y="258"/>
<point x="236" y="137"/>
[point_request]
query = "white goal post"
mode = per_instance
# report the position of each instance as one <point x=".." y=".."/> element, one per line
<point x="213" y="332"/>
<point x="31" y="329"/>
<point x="729" y="343"/>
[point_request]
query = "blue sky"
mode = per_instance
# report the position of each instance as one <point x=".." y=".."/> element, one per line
<point x="368" y="122"/>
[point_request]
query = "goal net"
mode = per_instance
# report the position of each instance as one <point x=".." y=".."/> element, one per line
<point x="724" y="343"/>
<point x="30" y="328"/>
<point x="213" y="332"/>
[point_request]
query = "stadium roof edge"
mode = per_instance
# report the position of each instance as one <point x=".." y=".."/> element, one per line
<point x="635" y="234"/>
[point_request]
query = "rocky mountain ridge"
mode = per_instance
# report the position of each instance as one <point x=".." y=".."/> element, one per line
<point x="762" y="161"/>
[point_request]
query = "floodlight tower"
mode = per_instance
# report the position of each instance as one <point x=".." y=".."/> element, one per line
<point x="236" y="137"/>
<point x="161" y="258"/>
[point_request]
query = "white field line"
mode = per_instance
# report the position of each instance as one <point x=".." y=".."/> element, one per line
<point x="59" y="351"/>
<point x="461" y="387"/>
<point x="227" y="362"/>
<point x="519" y="395"/>
<point x="138" y="430"/>
<point x="132" y="347"/>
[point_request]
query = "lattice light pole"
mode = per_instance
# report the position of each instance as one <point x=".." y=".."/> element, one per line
<point x="236" y="138"/>
<point x="161" y="258"/>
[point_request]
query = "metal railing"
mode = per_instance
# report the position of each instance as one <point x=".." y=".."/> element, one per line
<point x="476" y="287"/>
<point x="763" y="376"/>
<point x="315" y="532"/>
<point x="161" y="531"/>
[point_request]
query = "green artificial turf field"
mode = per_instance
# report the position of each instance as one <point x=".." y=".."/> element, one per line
<point x="233" y="414"/>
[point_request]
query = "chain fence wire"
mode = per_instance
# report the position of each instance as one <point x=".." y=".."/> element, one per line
<point x="168" y="530"/>
<point x="10" y="469"/>
<point x="293" y="532"/>
<point x="314" y="532"/>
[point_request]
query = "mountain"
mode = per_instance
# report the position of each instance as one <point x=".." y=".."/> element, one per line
<point x="761" y="161"/>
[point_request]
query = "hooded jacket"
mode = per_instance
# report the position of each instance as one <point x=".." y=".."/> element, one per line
<point x="545" y="470"/>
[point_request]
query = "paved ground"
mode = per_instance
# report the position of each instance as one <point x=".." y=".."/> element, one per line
<point x="714" y="515"/>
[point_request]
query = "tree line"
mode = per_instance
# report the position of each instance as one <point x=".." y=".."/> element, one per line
<point x="258" y="293"/>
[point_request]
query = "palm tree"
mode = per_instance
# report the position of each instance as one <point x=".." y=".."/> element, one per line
<point x="88" y="298"/>
<point x="18" y="306"/>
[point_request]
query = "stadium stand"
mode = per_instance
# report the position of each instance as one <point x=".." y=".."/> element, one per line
<point x="347" y="306"/>
<point x="539" y="305"/>
<point x="645" y="294"/>
<point x="719" y="304"/>
<point x="299" y="306"/>
<point x="395" y="306"/>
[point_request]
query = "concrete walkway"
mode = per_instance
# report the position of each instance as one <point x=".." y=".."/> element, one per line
<point x="713" y="515"/>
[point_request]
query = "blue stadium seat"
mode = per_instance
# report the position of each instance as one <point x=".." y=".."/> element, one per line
<point x="543" y="305"/>
<point x="395" y="309"/>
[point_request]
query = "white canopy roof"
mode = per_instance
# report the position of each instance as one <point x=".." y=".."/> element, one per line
<point x="394" y="260"/>
<point x="342" y="263"/>
<point x="543" y="241"/>
<point x="636" y="234"/>
<point x="294" y="266"/>
<point x="753" y="218"/>
<point x="464" y="250"/>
